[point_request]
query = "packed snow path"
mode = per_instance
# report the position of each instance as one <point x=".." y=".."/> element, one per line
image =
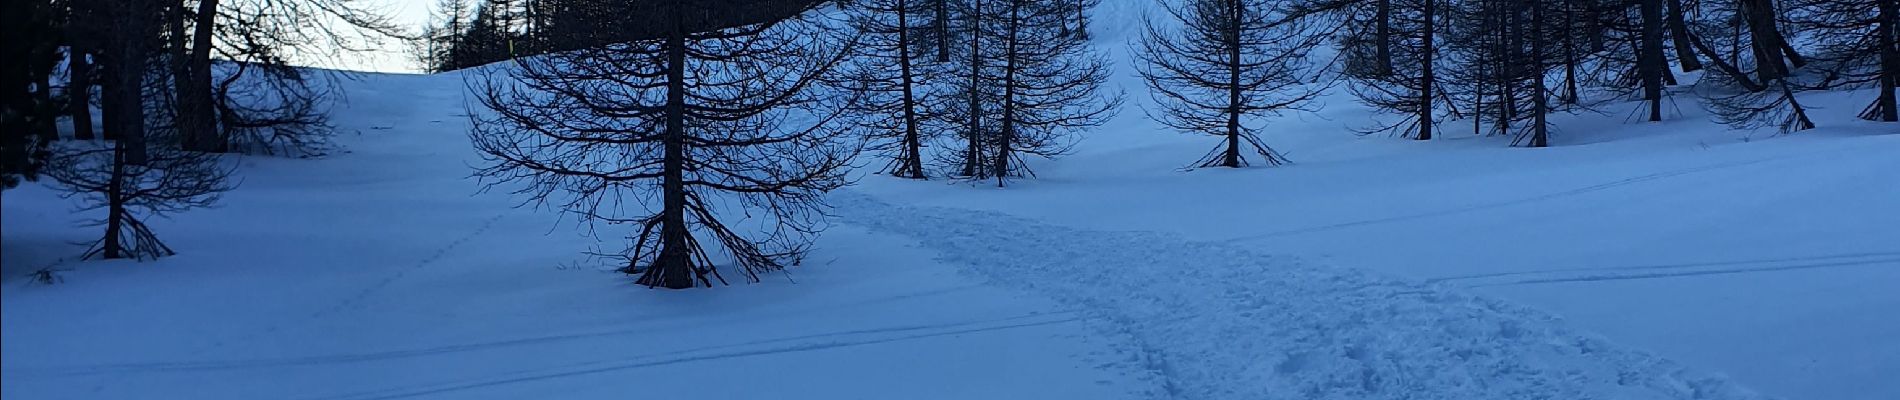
<point x="1214" y="321"/>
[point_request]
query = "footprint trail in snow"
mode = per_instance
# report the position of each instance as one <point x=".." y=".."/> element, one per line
<point x="1217" y="321"/>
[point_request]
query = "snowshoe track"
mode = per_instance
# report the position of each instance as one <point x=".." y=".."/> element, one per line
<point x="1216" y="321"/>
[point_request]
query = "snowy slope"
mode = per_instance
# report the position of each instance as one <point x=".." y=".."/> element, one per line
<point x="1768" y="258"/>
<point x="1632" y="261"/>
<point x="381" y="274"/>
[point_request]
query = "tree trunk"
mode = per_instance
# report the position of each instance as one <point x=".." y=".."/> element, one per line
<point x="1650" y="63"/>
<point x="194" y="96"/>
<point x="1679" y="30"/>
<point x="912" y="166"/>
<point x="1885" y="107"/>
<point x="1570" y="94"/>
<point x="1477" y="107"/>
<point x="673" y="269"/>
<point x="1234" y="9"/>
<point x="973" y="156"/>
<point x="1765" y="39"/>
<point x="128" y="73"/>
<point x="941" y="24"/>
<point x="1426" y="80"/>
<point x="1382" y="39"/>
<point x="1506" y="69"/>
<point x="1010" y="57"/>
<point x="112" y="247"/>
<point x="79" y="91"/>
<point x="1539" y="103"/>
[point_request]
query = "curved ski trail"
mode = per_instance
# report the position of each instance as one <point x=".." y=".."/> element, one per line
<point x="1216" y="321"/>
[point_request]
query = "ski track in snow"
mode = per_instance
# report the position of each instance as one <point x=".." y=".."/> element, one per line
<point x="1872" y="259"/>
<point x="1216" y="321"/>
<point x="794" y="344"/>
<point x="245" y="364"/>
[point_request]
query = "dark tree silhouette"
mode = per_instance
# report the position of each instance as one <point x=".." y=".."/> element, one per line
<point x="1506" y="52"/>
<point x="1651" y="66"/>
<point x="1228" y="62"/>
<point x="975" y="95"/>
<point x="251" y="99"/>
<point x="893" y="82"/>
<point x="936" y="37"/>
<point x="27" y="112"/>
<point x="714" y="133"/>
<point x="1753" y="89"/>
<point x="1536" y="57"/>
<point x="168" y="180"/>
<point x="141" y="172"/>
<point x="1858" y="45"/>
<point x="1045" y="81"/>
<point x="1411" y="88"/>
<point x="81" y="22"/>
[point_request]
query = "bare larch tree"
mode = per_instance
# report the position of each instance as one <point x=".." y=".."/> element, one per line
<point x="142" y="172"/>
<point x="717" y="132"/>
<point x="1858" y="45"/>
<point x="893" y="82"/>
<point x="1046" y="83"/>
<point x="1227" y="62"/>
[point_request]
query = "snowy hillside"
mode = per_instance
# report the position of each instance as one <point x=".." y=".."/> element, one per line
<point x="1674" y="260"/>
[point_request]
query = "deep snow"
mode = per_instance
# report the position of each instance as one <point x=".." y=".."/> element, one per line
<point x="1676" y="260"/>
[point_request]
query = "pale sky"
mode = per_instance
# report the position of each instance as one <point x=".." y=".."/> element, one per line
<point x="393" y="57"/>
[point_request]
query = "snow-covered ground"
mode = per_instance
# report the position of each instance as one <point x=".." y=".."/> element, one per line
<point x="1633" y="260"/>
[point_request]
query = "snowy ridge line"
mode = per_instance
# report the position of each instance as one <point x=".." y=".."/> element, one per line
<point x="1512" y="202"/>
<point x="192" y="366"/>
<point x="747" y="349"/>
<point x="1216" y="321"/>
<point x="1870" y="259"/>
